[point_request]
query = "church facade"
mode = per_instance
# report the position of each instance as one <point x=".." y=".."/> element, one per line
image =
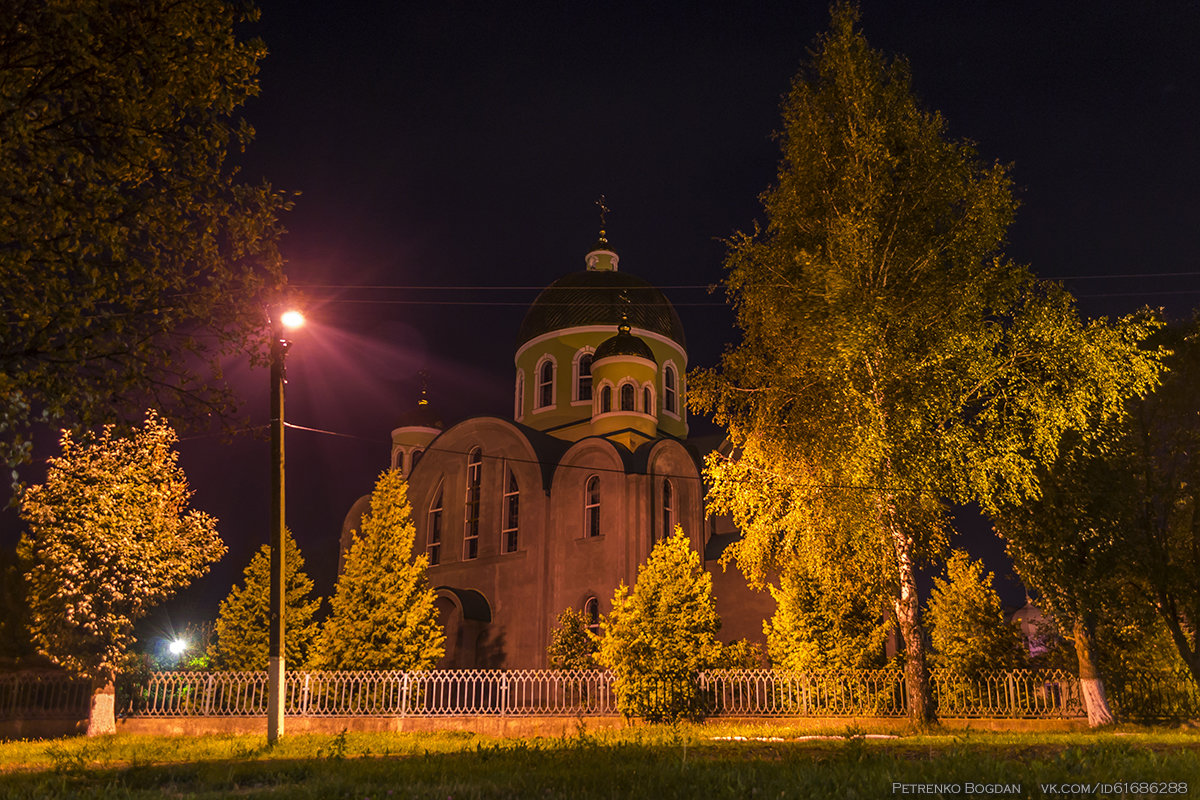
<point x="554" y="508"/>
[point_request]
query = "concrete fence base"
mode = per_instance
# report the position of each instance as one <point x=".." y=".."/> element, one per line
<point x="491" y="725"/>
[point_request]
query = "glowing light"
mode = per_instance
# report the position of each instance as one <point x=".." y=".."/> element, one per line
<point x="291" y="319"/>
<point x="177" y="647"/>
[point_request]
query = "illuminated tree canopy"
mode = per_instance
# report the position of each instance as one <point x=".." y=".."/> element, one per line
<point x="892" y="361"/>
<point x="110" y="536"/>
<point x="131" y="256"/>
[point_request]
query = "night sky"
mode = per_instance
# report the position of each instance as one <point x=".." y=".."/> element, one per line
<point x="449" y="144"/>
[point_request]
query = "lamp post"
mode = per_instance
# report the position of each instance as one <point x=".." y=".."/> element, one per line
<point x="288" y="320"/>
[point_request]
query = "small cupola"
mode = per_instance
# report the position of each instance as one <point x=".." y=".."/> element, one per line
<point x="600" y="258"/>
<point x="624" y="377"/>
<point x="416" y="429"/>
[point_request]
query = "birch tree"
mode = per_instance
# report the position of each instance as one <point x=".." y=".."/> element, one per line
<point x="892" y="361"/>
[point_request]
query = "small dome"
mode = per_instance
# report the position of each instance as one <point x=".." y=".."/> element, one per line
<point x="421" y="416"/>
<point x="601" y="297"/>
<point x="623" y="344"/>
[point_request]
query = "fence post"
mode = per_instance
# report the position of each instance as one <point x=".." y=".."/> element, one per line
<point x="404" y="697"/>
<point x="504" y="676"/>
<point x="208" y="694"/>
<point x="304" y="695"/>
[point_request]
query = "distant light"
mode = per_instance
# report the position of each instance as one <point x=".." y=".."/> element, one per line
<point x="291" y="319"/>
<point x="177" y="647"/>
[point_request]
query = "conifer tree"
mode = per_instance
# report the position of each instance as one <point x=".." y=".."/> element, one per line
<point x="571" y="645"/>
<point x="968" y="628"/>
<point x="242" y="625"/>
<point x="383" y="614"/>
<point x="661" y="634"/>
<point x="820" y="626"/>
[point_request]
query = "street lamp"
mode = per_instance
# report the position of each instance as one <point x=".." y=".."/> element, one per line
<point x="280" y="325"/>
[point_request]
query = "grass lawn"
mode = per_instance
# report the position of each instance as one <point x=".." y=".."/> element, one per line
<point x="638" y="762"/>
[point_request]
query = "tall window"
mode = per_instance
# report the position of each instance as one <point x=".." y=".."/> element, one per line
<point x="583" y="383"/>
<point x="591" y="614"/>
<point x="669" y="392"/>
<point x="511" y="505"/>
<point x="627" y="397"/>
<point x="606" y="400"/>
<point x="416" y="457"/>
<point x="668" y="509"/>
<point x="474" y="480"/>
<point x="591" y="507"/>
<point x="433" y="537"/>
<point x="520" y="398"/>
<point x="647" y="401"/>
<point x="545" y="389"/>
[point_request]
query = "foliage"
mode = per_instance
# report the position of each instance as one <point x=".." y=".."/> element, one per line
<point x="110" y="536"/>
<point x="968" y="628"/>
<point x="242" y="639"/>
<point x="661" y="634"/>
<point x="383" y="614"/>
<point x="129" y="246"/>
<point x="741" y="654"/>
<point x="572" y="646"/>
<point x="1115" y="534"/>
<point x="819" y="625"/>
<point x="892" y="361"/>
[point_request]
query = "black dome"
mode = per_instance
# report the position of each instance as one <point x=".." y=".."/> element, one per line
<point x="601" y="297"/>
<point x="623" y="344"/>
<point x="421" y="416"/>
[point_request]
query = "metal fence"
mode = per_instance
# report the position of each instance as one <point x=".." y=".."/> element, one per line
<point x="735" y="692"/>
<point x="43" y="695"/>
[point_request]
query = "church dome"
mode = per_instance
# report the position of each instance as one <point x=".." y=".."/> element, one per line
<point x="601" y="297"/>
<point x="623" y="344"/>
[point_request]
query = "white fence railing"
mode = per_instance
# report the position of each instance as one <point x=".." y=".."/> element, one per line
<point x="470" y="692"/>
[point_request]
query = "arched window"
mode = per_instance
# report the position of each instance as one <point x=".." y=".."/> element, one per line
<point x="591" y="507"/>
<point x="647" y="401"/>
<point x="668" y="509"/>
<point x="433" y="530"/>
<point x="606" y="400"/>
<point x="670" y="403"/>
<point x="583" y="378"/>
<point x="545" y="387"/>
<point x="474" y="481"/>
<point x="591" y="614"/>
<point x="511" y="505"/>
<point x="520" y="398"/>
<point x="416" y="456"/>
<point x="627" y="397"/>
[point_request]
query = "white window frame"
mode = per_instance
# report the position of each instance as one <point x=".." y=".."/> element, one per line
<point x="472" y="505"/>
<point x="671" y="395"/>
<point x="435" y="516"/>
<point x="510" y="512"/>
<point x="519" y="400"/>
<point x="591" y="510"/>
<point x="539" y="383"/>
<point x="577" y="377"/>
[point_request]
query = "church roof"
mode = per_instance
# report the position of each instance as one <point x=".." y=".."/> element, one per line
<point x="601" y="297"/>
<point x="623" y="344"/>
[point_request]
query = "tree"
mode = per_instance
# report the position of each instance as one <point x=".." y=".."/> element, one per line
<point x="892" y="362"/>
<point x="572" y="646"/>
<point x="110" y="536"/>
<point x="130" y="254"/>
<point x="242" y="625"/>
<point x="1116" y="529"/>
<point x="968" y="629"/>
<point x="383" y="614"/>
<point x="819" y="625"/>
<point x="661" y="634"/>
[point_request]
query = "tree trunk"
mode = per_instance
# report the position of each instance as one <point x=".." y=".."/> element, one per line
<point x="1094" y="698"/>
<point x="916" y="673"/>
<point x="101" y="716"/>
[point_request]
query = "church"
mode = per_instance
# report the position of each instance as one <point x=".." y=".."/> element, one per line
<point x="554" y="508"/>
